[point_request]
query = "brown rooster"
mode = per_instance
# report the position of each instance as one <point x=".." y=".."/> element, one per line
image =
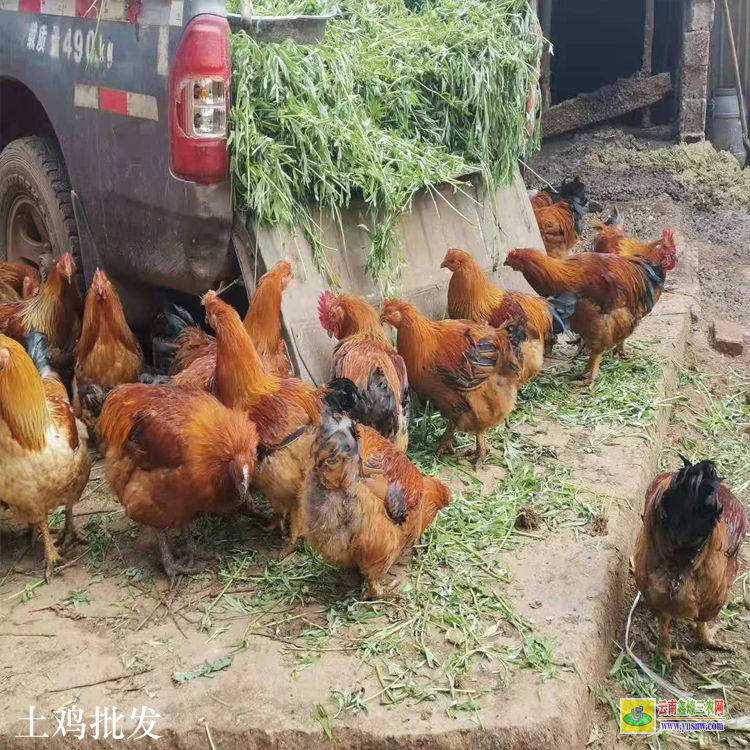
<point x="366" y="357"/>
<point x="285" y="412"/>
<point x="567" y="190"/>
<point x="107" y="354"/>
<point x="44" y="461"/>
<point x="470" y="372"/>
<point x="471" y="296"/>
<point x="262" y="322"/>
<point x="688" y="551"/>
<point x="612" y="294"/>
<point x="55" y="312"/>
<point x="364" y="501"/>
<point x="23" y="278"/>
<point x="612" y="240"/>
<point x="174" y="454"/>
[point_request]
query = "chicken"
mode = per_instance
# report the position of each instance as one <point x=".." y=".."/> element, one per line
<point x="612" y="240"/>
<point x="471" y="296"/>
<point x="107" y="354"/>
<point x="567" y="190"/>
<point x="688" y="551"/>
<point x="22" y="277"/>
<point x="469" y="371"/>
<point x="614" y="293"/>
<point x="262" y="322"/>
<point x="284" y="410"/>
<point x="561" y="223"/>
<point x="173" y="454"/>
<point x="363" y="501"/>
<point x="44" y="459"/>
<point x="55" y="312"/>
<point x="365" y="356"/>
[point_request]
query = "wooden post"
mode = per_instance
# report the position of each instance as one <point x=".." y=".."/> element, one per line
<point x="545" y="18"/>
<point x="648" y="53"/>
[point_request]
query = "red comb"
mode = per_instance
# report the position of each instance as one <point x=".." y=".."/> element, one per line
<point x="667" y="237"/>
<point x="325" y="301"/>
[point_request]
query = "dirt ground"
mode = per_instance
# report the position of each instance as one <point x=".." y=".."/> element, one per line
<point x="651" y="198"/>
<point x="469" y="625"/>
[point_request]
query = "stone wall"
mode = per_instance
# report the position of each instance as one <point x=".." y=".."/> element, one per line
<point x="698" y="18"/>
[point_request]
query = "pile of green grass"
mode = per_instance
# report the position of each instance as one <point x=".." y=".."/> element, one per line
<point x="401" y="95"/>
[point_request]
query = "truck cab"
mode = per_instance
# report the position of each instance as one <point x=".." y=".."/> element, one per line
<point x="113" y="141"/>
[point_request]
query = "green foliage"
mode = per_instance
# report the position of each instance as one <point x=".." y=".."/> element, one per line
<point x="392" y="101"/>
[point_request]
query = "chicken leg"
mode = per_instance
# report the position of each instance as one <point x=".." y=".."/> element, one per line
<point x="71" y="533"/>
<point x="483" y="450"/>
<point x="446" y="444"/>
<point x="665" y="637"/>
<point x="51" y="555"/>
<point x="171" y="567"/>
<point x="591" y="371"/>
<point x="620" y="351"/>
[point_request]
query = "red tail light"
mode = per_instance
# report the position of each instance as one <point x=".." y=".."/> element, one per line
<point x="199" y="84"/>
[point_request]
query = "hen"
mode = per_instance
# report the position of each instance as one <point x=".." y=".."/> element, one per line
<point x="614" y="293"/>
<point x="55" y="312"/>
<point x="173" y="454"/>
<point x="366" y="357"/>
<point x="471" y="296"/>
<point x="688" y="551"/>
<point x="44" y="460"/>
<point x="364" y="501"/>
<point x="285" y="412"/>
<point x="262" y="322"/>
<point x="22" y="278"/>
<point x="470" y="372"/>
<point x="107" y="354"/>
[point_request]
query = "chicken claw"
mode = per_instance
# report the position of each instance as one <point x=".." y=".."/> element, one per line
<point x="707" y="639"/>
<point x="71" y="533"/>
<point x="171" y="567"/>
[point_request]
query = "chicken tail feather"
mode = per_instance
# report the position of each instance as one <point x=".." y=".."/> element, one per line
<point x="614" y="219"/>
<point x="37" y="347"/>
<point x="690" y="507"/>
<point x="342" y="395"/>
<point x="562" y="308"/>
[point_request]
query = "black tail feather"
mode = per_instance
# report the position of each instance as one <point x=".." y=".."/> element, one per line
<point x="342" y="395"/>
<point x="562" y="308"/>
<point x="614" y="219"/>
<point x="690" y="507"/>
<point x="37" y="347"/>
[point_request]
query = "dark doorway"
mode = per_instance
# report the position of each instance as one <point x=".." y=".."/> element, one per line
<point x="598" y="41"/>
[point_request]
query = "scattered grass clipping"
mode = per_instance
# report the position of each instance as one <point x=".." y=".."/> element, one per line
<point x="399" y="96"/>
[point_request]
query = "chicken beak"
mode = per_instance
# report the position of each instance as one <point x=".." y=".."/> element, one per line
<point x="444" y="264"/>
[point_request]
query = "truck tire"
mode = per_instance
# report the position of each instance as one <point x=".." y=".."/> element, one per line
<point x="36" y="212"/>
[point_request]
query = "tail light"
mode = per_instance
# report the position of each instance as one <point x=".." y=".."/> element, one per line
<point x="199" y="84"/>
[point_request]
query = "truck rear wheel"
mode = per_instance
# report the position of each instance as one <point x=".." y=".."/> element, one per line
<point x="36" y="213"/>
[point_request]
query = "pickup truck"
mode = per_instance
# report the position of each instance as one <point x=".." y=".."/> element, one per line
<point x="113" y="131"/>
